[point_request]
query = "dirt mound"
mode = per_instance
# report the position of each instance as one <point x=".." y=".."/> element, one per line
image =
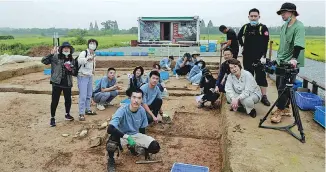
<point x="39" y="51"/>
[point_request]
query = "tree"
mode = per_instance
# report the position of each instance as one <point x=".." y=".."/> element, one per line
<point x="210" y="24"/>
<point x="133" y="30"/>
<point x="202" y="24"/>
<point x="91" y="26"/>
<point x="96" y="26"/>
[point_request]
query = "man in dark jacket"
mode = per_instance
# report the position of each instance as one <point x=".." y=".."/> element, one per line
<point x="62" y="63"/>
<point x="254" y="37"/>
<point x="224" y="71"/>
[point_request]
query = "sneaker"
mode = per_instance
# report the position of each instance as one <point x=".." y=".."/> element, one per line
<point x="277" y="116"/>
<point x="52" y="122"/>
<point x="90" y="112"/>
<point x="81" y="117"/>
<point x="253" y="113"/>
<point x="69" y="117"/>
<point x="195" y="84"/>
<point x="100" y="107"/>
<point x="176" y="76"/>
<point x="287" y="112"/>
<point x="111" y="165"/>
<point x="265" y="101"/>
<point x="201" y="105"/>
<point x="106" y="104"/>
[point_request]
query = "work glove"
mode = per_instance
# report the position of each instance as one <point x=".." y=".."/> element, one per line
<point x="263" y="60"/>
<point x="131" y="141"/>
<point x="165" y="90"/>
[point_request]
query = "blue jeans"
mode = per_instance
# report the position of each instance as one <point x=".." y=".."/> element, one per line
<point x="196" y="79"/>
<point x="85" y="86"/>
<point x="106" y="97"/>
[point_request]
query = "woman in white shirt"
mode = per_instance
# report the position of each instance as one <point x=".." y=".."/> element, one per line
<point x="241" y="88"/>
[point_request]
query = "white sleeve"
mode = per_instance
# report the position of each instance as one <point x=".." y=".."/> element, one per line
<point x="229" y="87"/>
<point x="81" y="58"/>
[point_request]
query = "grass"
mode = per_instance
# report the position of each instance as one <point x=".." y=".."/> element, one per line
<point x="314" y="44"/>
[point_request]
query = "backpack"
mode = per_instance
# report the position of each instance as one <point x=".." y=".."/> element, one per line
<point x="77" y="66"/>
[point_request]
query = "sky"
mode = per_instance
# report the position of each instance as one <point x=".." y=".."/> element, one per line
<point x="79" y="13"/>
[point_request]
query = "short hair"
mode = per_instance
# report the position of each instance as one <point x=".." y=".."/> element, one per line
<point x="131" y="90"/>
<point x="228" y="49"/>
<point x="254" y="10"/>
<point x="154" y="73"/>
<point x="155" y="64"/>
<point x="222" y="28"/>
<point x="140" y="68"/>
<point x="235" y="62"/>
<point x="92" y="40"/>
<point x="171" y="57"/>
<point x="111" y="68"/>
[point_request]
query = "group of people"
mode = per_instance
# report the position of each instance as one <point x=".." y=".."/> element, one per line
<point x="128" y="124"/>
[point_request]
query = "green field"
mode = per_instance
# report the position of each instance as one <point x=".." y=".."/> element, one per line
<point x="21" y="45"/>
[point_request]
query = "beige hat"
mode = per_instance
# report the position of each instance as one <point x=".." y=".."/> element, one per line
<point x="195" y="53"/>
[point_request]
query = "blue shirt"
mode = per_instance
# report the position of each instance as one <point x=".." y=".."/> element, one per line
<point x="178" y="63"/>
<point x="104" y="83"/>
<point x="129" y="122"/>
<point x="165" y="61"/>
<point x="150" y="94"/>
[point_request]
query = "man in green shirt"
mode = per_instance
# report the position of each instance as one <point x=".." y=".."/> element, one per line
<point x="291" y="50"/>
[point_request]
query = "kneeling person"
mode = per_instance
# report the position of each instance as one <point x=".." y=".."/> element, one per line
<point x="207" y="86"/>
<point x="106" y="90"/>
<point x="152" y="101"/>
<point x="128" y="127"/>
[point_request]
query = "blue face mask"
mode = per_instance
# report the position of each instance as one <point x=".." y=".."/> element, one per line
<point x="288" y="20"/>
<point x="253" y="23"/>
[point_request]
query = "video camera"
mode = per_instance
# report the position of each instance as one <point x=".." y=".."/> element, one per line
<point x="284" y="69"/>
<point x="268" y="67"/>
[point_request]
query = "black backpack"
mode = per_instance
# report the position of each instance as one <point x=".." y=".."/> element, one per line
<point x="77" y="66"/>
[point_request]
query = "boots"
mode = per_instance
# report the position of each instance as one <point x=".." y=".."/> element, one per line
<point x="111" y="165"/>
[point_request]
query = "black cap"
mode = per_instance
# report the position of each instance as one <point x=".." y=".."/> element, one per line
<point x="288" y="7"/>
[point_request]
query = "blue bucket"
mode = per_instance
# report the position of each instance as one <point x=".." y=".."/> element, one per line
<point x="202" y="48"/>
<point x="134" y="54"/>
<point x="164" y="75"/>
<point x="47" y="71"/>
<point x="120" y="53"/>
<point x="144" y="53"/>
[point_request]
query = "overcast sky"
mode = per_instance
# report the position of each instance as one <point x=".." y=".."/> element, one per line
<point x="78" y="14"/>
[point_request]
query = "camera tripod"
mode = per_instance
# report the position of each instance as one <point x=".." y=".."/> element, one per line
<point x="295" y="112"/>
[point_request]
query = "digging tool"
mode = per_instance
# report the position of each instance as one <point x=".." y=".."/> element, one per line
<point x="147" y="162"/>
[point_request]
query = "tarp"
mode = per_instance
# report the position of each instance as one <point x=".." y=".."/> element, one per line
<point x="7" y="59"/>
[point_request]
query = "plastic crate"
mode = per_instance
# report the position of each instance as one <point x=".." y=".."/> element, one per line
<point x="144" y="53"/>
<point x="97" y="53"/>
<point x="47" y="71"/>
<point x="164" y="75"/>
<point x="307" y="101"/>
<point x="120" y="53"/>
<point x="297" y="84"/>
<point x="319" y="115"/>
<point x="134" y="54"/>
<point x="202" y="48"/>
<point x="180" y="167"/>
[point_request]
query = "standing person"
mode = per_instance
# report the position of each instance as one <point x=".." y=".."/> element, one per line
<point x="106" y="90"/>
<point x="165" y="63"/>
<point x="254" y="37"/>
<point x="86" y="60"/>
<point x="241" y="88"/>
<point x="152" y="98"/>
<point x="291" y="50"/>
<point x="61" y="78"/>
<point x="181" y="66"/>
<point x="136" y="80"/>
<point x="232" y="40"/>
<point x="224" y="71"/>
<point x="128" y="127"/>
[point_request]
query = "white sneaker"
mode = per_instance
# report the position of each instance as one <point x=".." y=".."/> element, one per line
<point x="195" y="84"/>
<point x="177" y="76"/>
<point x="100" y="107"/>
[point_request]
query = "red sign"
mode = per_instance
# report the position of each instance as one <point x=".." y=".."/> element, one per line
<point x="176" y="31"/>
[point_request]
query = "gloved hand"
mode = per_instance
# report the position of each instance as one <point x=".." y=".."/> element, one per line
<point x="263" y="60"/>
<point x="165" y="90"/>
<point x="131" y="141"/>
<point x="294" y="62"/>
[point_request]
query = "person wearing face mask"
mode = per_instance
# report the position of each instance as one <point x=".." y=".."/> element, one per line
<point x="166" y="63"/>
<point x="128" y="127"/>
<point x="254" y="37"/>
<point x="241" y="89"/>
<point x="61" y="62"/>
<point x="291" y="50"/>
<point x="195" y="73"/>
<point x="195" y="57"/>
<point x="136" y="80"/>
<point x="86" y="62"/>
<point x="106" y="90"/>
<point x="224" y="71"/>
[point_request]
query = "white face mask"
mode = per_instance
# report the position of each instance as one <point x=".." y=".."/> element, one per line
<point x="200" y="64"/>
<point x="92" y="46"/>
<point x="66" y="53"/>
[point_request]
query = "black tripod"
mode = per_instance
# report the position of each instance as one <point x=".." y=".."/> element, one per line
<point x="295" y="112"/>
